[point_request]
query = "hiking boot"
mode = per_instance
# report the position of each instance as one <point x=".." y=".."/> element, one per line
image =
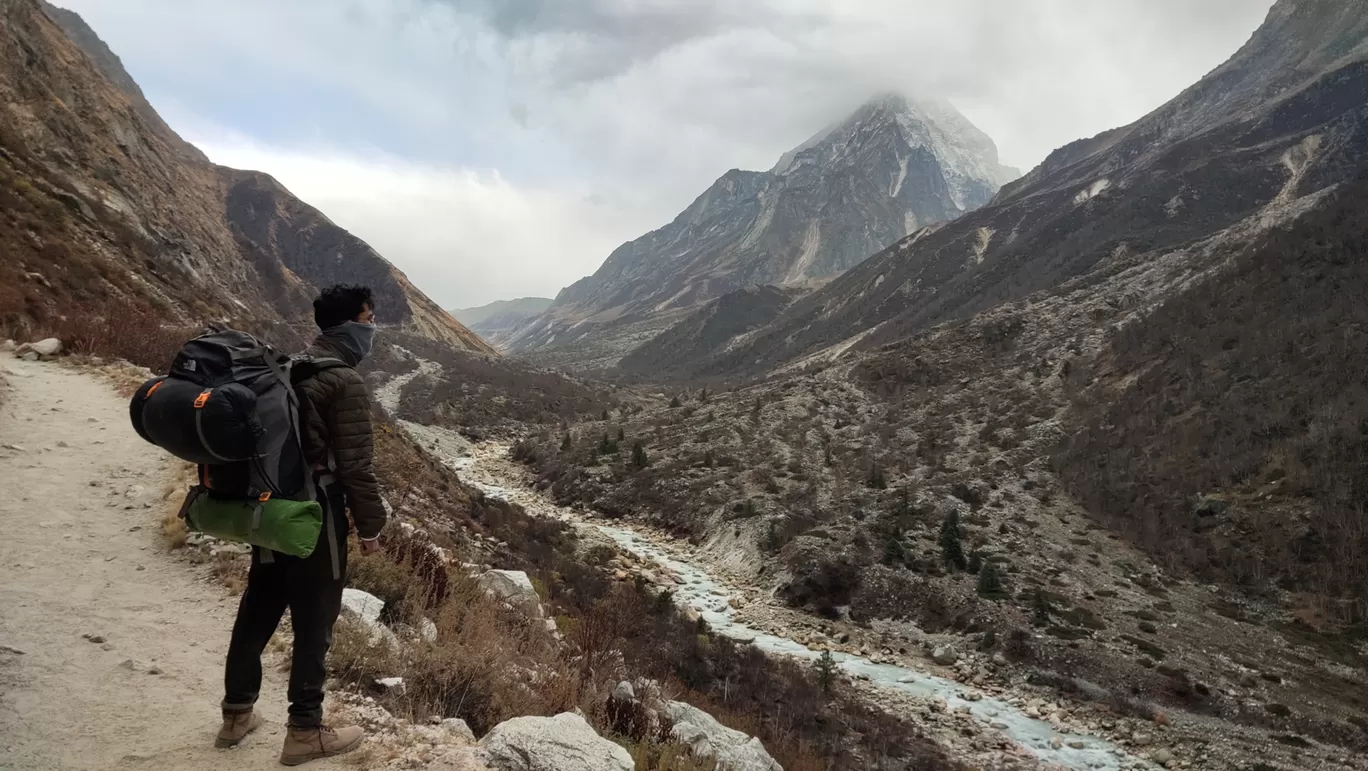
<point x="305" y="744"/>
<point x="236" y="726"/>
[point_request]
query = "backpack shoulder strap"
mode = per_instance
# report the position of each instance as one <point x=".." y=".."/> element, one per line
<point x="306" y="366"/>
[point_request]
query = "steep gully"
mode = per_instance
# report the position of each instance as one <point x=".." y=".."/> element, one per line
<point x="487" y="467"/>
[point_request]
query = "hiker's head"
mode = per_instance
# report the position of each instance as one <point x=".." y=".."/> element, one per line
<point x="346" y="314"/>
<point x="341" y="303"/>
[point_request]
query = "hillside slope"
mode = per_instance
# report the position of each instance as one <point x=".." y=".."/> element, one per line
<point x="106" y="206"/>
<point x="892" y="166"/>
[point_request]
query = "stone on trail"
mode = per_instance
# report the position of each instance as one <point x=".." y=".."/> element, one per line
<point x="561" y="743"/>
<point x="43" y="349"/>
<point x="8" y="345"/>
<point x="514" y="588"/>
<point x="707" y="738"/>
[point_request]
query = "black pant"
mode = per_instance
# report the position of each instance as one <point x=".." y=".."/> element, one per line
<point x="312" y="590"/>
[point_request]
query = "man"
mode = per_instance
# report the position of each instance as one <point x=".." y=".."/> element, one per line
<point x="338" y="443"/>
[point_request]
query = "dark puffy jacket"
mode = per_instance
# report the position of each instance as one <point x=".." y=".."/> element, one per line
<point x="337" y="420"/>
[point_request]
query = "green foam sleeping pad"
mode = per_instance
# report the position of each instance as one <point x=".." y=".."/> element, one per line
<point x="284" y="526"/>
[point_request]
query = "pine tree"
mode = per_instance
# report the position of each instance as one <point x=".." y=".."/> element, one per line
<point x="622" y="436"/>
<point x="990" y="582"/>
<point x="607" y="446"/>
<point x="1040" y="609"/>
<point x="639" y="458"/>
<point x="755" y="411"/>
<point x="826" y="454"/>
<point x="604" y="417"/>
<point x="876" y="480"/>
<point x="950" y="545"/>
<point x="826" y="672"/>
<point x="565" y="443"/>
<point x="894" y="552"/>
<point x="674" y="403"/>
<point x="708" y="458"/>
<point x="703" y="395"/>
<point x="975" y="562"/>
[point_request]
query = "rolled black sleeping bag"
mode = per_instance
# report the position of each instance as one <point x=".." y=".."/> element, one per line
<point x="222" y="429"/>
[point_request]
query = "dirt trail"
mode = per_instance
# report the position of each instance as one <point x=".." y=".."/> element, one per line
<point x="81" y="554"/>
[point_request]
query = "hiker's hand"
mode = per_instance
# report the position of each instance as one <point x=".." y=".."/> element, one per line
<point x="370" y="545"/>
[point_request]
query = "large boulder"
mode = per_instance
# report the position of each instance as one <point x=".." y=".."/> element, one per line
<point x="514" y="588"/>
<point x="707" y="738"/>
<point x="45" y="349"/>
<point x="561" y="743"/>
<point x="363" y="609"/>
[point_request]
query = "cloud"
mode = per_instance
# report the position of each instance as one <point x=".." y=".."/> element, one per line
<point x="643" y="103"/>
<point x="464" y="235"/>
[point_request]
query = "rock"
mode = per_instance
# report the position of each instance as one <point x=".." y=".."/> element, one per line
<point x="7" y="346"/>
<point x="514" y="588"/>
<point x="1163" y="756"/>
<point x="944" y="655"/>
<point x="1076" y="745"/>
<point x="95" y="638"/>
<point x="128" y="664"/>
<point x="624" y="692"/>
<point x="43" y="349"/>
<point x="427" y="630"/>
<point x="364" y="609"/>
<point x="363" y="605"/>
<point x="154" y="671"/>
<point x="391" y="685"/>
<point x="707" y="738"/>
<point x="11" y="650"/>
<point x="561" y="743"/>
<point x="457" y="729"/>
<point x="1056" y="742"/>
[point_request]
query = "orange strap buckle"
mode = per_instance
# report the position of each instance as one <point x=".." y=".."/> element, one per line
<point x="202" y="398"/>
<point x="266" y="496"/>
<point x="153" y="389"/>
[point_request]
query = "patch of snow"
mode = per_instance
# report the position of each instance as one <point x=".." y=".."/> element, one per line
<point x="910" y="223"/>
<point x="902" y="177"/>
<point x="1092" y="191"/>
<point x="983" y="237"/>
<point x="812" y="243"/>
<point x="667" y="303"/>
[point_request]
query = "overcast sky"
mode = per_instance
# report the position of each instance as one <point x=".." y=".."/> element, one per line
<point x="502" y="148"/>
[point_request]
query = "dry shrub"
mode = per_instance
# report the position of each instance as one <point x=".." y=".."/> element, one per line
<point x="135" y="333"/>
<point x="489" y="664"/>
<point x="231" y="571"/>
<point x="651" y="756"/>
<point x="173" y="530"/>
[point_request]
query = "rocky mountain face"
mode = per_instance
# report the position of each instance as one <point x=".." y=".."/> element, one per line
<point x="1282" y="119"/>
<point x="496" y="322"/>
<point x="715" y="324"/>
<point x="109" y="209"/>
<point x="887" y="170"/>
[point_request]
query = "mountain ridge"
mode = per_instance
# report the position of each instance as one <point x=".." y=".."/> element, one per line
<point x="885" y="170"/>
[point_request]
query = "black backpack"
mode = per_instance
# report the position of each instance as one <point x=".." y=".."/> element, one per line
<point x="229" y="406"/>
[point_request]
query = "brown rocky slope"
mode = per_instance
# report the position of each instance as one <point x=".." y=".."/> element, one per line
<point x="108" y="209"/>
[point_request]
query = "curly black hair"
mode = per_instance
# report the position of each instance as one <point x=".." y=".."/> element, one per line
<point x="341" y="303"/>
